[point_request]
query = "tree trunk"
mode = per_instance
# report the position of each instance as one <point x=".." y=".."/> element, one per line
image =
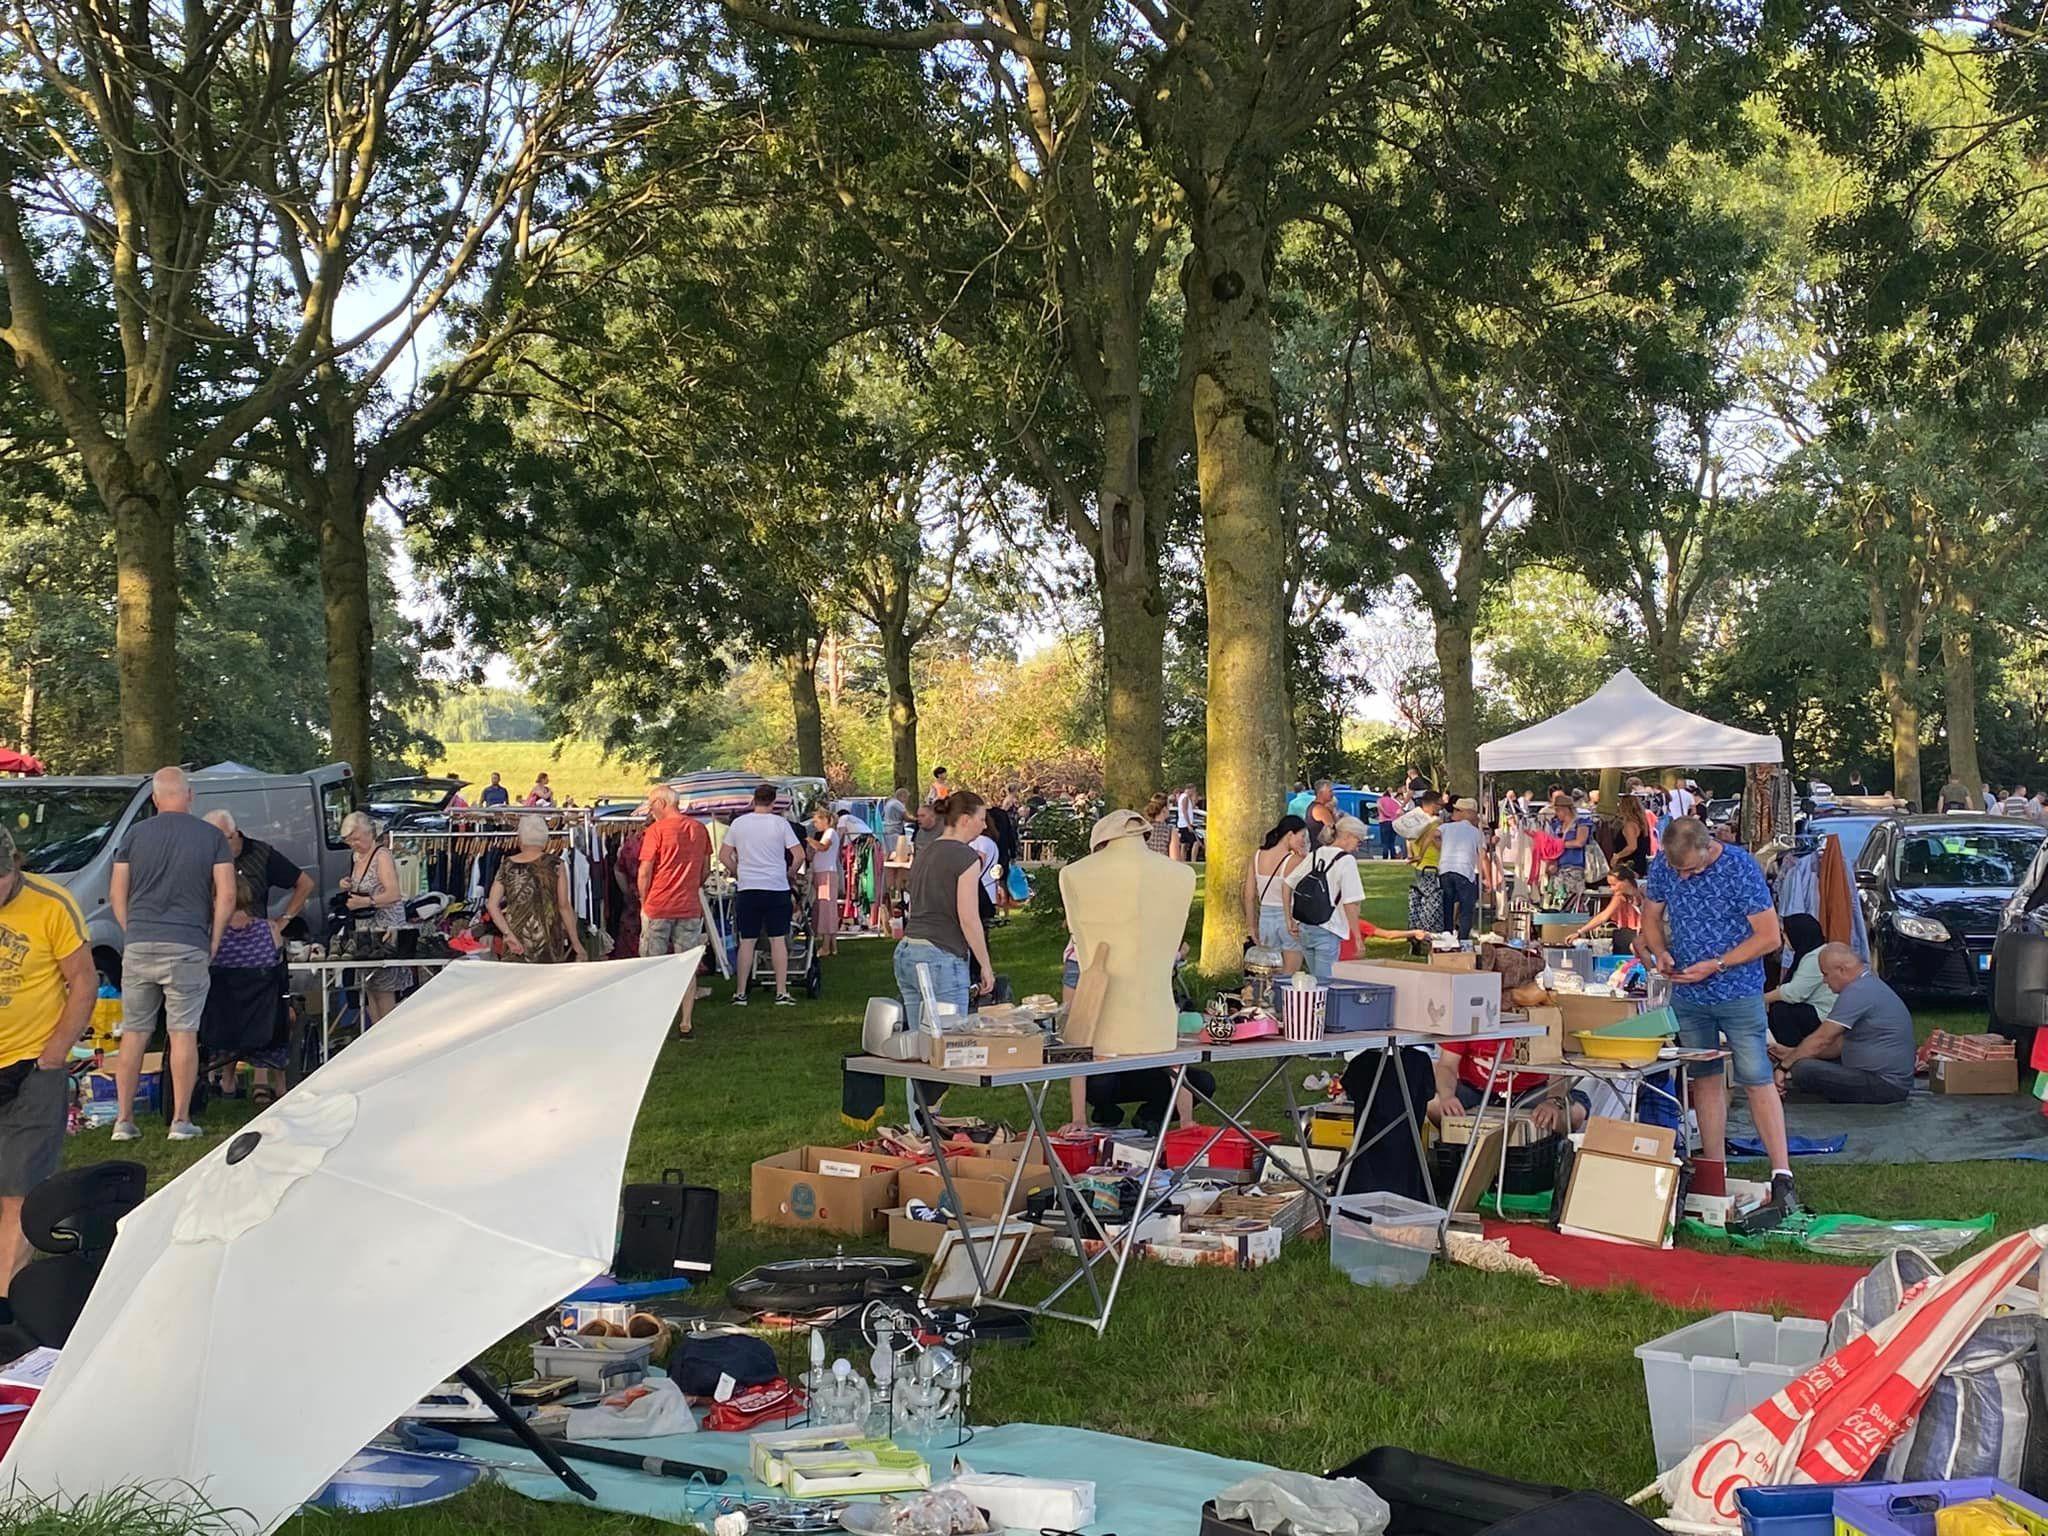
<point x="30" y="695"/>
<point x="1244" y="560"/>
<point x="146" y="520"/>
<point x="1898" y="675"/>
<point x="1133" y="672"/>
<point x="1461" y="730"/>
<point x="902" y="709"/>
<point x="801" y="668"/>
<point x="1959" y="667"/>
<point x="345" y="606"/>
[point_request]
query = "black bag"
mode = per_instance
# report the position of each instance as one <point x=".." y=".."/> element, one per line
<point x="1313" y="903"/>
<point x="666" y="1229"/>
<point x="699" y="1359"/>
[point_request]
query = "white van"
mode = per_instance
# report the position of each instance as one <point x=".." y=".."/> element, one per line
<point x="68" y="829"/>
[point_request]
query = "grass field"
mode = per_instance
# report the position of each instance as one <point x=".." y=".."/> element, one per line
<point x="575" y="768"/>
<point x="1290" y="1365"/>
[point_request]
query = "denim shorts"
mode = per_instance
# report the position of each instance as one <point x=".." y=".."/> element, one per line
<point x="1273" y="930"/>
<point x="1741" y="1022"/>
<point x="1070" y="973"/>
<point x="951" y="979"/>
<point x="1319" y="949"/>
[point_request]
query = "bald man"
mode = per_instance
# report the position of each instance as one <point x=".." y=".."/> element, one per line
<point x="675" y="852"/>
<point x="172" y="892"/>
<point x="1862" y="1052"/>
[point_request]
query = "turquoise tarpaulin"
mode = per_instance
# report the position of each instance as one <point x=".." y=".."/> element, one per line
<point x="1139" y="1486"/>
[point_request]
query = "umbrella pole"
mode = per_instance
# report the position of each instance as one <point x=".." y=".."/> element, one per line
<point x="522" y="1431"/>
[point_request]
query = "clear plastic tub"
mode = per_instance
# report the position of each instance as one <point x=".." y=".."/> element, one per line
<point x="1708" y="1374"/>
<point x="1382" y="1239"/>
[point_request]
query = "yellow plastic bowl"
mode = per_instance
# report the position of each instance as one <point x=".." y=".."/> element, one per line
<point x="1630" y="1052"/>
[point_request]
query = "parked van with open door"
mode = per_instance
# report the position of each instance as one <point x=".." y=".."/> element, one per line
<point x="68" y="829"/>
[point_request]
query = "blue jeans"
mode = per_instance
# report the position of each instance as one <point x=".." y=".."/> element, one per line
<point x="950" y="982"/>
<point x="1740" y="1021"/>
<point x="1387" y="840"/>
<point x="1319" y="949"/>
<point x="1461" y="902"/>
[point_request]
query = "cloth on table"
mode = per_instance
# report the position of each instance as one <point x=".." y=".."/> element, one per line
<point x="1390" y="1164"/>
<point x="1139" y="1486"/>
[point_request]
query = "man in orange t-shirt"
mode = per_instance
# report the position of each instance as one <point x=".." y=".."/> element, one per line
<point x="674" y="854"/>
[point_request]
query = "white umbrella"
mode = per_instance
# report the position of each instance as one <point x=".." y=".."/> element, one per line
<point x="434" y="1186"/>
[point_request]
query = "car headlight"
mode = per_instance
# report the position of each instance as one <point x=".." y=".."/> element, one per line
<point x="1925" y="929"/>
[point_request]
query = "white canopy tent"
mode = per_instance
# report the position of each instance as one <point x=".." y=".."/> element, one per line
<point x="1625" y="725"/>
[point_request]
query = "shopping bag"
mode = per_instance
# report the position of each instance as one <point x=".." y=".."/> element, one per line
<point x="1019" y="883"/>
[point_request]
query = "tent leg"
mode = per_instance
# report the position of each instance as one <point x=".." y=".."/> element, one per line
<point x="488" y="1395"/>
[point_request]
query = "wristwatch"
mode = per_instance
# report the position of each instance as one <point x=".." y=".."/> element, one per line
<point x="1720" y="964"/>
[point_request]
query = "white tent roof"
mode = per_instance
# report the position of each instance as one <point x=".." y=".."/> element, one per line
<point x="1625" y="725"/>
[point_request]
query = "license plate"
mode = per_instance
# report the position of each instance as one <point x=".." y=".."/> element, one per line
<point x="1983" y="962"/>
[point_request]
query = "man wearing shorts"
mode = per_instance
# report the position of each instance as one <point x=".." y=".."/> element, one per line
<point x="173" y="892"/>
<point x="675" y="851"/>
<point x="1708" y="922"/>
<point x="763" y="853"/>
<point x="47" y="989"/>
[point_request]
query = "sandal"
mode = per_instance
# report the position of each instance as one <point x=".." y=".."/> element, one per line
<point x="262" y="1096"/>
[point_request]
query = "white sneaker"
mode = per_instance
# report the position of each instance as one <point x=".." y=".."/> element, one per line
<point x="126" y="1130"/>
<point x="185" y="1130"/>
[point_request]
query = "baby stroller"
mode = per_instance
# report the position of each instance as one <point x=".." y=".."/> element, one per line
<point x="805" y="971"/>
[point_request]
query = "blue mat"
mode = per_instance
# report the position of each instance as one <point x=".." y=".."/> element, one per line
<point x="1927" y="1128"/>
<point x="1798" y="1146"/>
<point x="1139" y="1487"/>
<point x="605" y="1289"/>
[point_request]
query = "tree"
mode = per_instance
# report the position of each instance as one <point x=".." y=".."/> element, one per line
<point x="122" y="155"/>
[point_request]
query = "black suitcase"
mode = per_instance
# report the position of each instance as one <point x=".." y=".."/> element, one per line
<point x="666" y="1229"/>
<point x="1579" y="1514"/>
<point x="1440" y="1498"/>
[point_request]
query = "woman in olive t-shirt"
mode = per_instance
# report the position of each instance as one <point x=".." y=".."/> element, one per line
<point x="943" y="932"/>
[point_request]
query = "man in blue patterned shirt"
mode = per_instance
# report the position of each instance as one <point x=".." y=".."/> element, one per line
<point x="1708" y="922"/>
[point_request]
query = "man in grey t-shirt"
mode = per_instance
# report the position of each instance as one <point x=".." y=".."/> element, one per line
<point x="173" y="892"/>
<point x="1862" y="1052"/>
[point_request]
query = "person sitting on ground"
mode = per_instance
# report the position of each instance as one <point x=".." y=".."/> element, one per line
<point x="1799" y="1002"/>
<point x="1862" y="1052"/>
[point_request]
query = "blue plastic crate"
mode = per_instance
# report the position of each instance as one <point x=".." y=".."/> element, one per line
<point x="1908" y="1509"/>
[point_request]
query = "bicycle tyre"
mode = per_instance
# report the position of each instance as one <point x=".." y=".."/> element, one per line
<point x="810" y="1285"/>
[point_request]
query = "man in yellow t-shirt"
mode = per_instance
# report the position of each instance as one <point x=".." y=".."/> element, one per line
<point x="47" y="989"/>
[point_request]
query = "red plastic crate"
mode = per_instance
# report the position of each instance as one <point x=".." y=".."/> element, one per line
<point x="1233" y="1150"/>
<point x="10" y="1424"/>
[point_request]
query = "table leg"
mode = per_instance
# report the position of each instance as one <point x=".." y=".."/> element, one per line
<point x="1236" y="1122"/>
<point x="1472" y="1146"/>
<point x="326" y="1048"/>
<point x="955" y="1213"/>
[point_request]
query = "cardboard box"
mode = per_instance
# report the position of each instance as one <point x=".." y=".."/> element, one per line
<point x="922" y="1237"/>
<point x="825" y="1188"/>
<point x="980" y="1182"/>
<point x="973" y="1051"/>
<point x="1539" y="1050"/>
<point x="1583" y="1012"/>
<point x="1624" y="1183"/>
<point x="1453" y="960"/>
<point x="1945" y="1075"/>
<point x="1431" y="1001"/>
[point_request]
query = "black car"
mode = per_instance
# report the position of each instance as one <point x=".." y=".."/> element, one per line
<point x="1933" y="889"/>
<point x="418" y="803"/>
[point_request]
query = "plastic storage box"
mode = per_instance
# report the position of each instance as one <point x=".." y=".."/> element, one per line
<point x="1532" y="1170"/>
<point x="1383" y="1239"/>
<point x="1708" y="1374"/>
<point x="1349" y="1007"/>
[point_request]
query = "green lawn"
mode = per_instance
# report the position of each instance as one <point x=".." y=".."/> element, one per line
<point x="1290" y="1365"/>
<point x="575" y="768"/>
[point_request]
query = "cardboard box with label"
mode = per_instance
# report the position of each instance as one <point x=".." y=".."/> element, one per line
<point x="1453" y="960"/>
<point x="1432" y="1001"/>
<point x="1945" y="1075"/>
<point x="979" y="1051"/>
<point x="1624" y="1183"/>
<point x="980" y="1182"/>
<point x="827" y="1188"/>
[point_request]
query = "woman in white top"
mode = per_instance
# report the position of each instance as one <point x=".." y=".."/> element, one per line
<point x="1266" y="889"/>
<point x="827" y="880"/>
<point x="1798" y="1005"/>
